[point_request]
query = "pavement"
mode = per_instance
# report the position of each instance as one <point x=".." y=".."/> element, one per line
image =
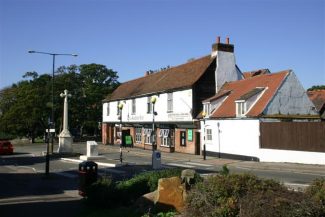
<point x="136" y="156"/>
<point x="25" y="190"/>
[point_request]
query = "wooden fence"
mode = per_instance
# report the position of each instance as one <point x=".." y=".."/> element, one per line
<point x="299" y="136"/>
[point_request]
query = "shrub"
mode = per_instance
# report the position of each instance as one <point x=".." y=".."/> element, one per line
<point x="219" y="195"/>
<point x="278" y="202"/>
<point x="317" y="190"/>
<point x="102" y="192"/>
<point x="107" y="193"/>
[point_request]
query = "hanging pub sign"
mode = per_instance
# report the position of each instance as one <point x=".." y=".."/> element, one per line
<point x="190" y="135"/>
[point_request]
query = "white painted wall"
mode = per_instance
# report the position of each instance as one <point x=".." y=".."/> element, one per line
<point x="304" y="157"/>
<point x="182" y="108"/>
<point x="240" y="137"/>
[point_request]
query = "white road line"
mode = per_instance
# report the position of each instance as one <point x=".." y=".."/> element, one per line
<point x="280" y="170"/>
<point x="199" y="164"/>
<point x="180" y="165"/>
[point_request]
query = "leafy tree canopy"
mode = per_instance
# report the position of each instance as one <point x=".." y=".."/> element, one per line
<point x="25" y="107"/>
<point x="317" y="87"/>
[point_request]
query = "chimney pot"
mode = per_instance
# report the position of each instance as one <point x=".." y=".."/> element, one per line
<point x="218" y="40"/>
<point x="227" y="40"/>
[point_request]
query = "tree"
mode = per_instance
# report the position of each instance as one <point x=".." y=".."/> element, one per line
<point x="25" y="108"/>
<point x="317" y="87"/>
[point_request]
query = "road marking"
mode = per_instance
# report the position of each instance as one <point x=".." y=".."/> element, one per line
<point x="17" y="155"/>
<point x="199" y="164"/>
<point x="279" y="170"/>
<point x="98" y="163"/>
<point x="180" y="165"/>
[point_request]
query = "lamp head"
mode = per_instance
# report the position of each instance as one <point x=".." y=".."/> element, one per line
<point x="204" y="114"/>
<point x="75" y="55"/>
<point x="31" y="51"/>
<point x="120" y="106"/>
<point x="153" y="99"/>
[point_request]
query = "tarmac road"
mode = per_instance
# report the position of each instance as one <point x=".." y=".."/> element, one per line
<point x="25" y="191"/>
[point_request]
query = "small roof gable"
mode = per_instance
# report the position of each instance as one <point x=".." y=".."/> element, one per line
<point x="241" y="88"/>
<point x="255" y="73"/>
<point x="220" y="94"/>
<point x="251" y="93"/>
<point x="177" y="77"/>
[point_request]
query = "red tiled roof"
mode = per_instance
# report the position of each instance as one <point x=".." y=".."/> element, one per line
<point x="177" y="77"/>
<point x="239" y="88"/>
<point x="317" y="97"/>
<point x="255" y="73"/>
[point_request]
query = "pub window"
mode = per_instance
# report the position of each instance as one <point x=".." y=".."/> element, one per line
<point x="133" y="106"/>
<point x="107" y="110"/>
<point x="169" y="102"/>
<point x="149" y="105"/>
<point x="117" y="108"/>
<point x="138" y="135"/>
<point x="183" y="138"/>
<point x="147" y="136"/>
<point x="165" y="137"/>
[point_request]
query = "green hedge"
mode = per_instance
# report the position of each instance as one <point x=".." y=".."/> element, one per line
<point x="107" y="193"/>
<point x="246" y="195"/>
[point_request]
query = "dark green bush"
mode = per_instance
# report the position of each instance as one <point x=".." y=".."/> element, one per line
<point x="278" y="203"/>
<point x="219" y="195"/>
<point x="317" y="190"/>
<point x="102" y="192"/>
<point x="128" y="191"/>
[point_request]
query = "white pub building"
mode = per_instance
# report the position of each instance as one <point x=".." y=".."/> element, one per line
<point x="178" y="92"/>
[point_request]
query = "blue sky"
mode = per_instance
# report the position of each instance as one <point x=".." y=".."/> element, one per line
<point x="133" y="36"/>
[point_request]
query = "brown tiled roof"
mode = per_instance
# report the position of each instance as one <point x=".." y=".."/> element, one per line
<point x="239" y="88"/>
<point x="177" y="77"/>
<point x="317" y="97"/>
<point x="220" y="94"/>
<point x="255" y="73"/>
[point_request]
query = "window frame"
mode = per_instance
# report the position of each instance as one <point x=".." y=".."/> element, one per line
<point x="108" y="109"/>
<point x="181" y="138"/>
<point x="149" y="106"/>
<point x="134" y="108"/>
<point x="147" y="136"/>
<point x="241" y="108"/>
<point x="169" y="102"/>
<point x="208" y="134"/>
<point x="118" y="109"/>
<point x="138" y="135"/>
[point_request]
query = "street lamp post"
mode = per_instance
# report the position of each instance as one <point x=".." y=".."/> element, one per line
<point x="204" y="134"/>
<point x="153" y="101"/>
<point x="120" y="107"/>
<point x="52" y="122"/>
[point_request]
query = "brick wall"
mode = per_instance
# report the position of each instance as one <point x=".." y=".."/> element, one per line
<point x="190" y="145"/>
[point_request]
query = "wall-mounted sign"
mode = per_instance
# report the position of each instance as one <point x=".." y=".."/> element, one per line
<point x="190" y="135"/>
<point x="179" y="117"/>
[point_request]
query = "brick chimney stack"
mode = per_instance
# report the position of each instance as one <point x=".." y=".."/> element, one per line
<point x="226" y="70"/>
<point x="218" y="46"/>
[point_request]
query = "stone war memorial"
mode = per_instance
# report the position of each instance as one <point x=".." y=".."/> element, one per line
<point x="65" y="138"/>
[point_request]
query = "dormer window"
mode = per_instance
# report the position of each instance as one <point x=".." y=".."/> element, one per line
<point x="248" y="100"/>
<point x="206" y="109"/>
<point x="241" y="108"/>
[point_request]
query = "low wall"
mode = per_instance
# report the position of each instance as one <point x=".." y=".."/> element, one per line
<point x="304" y="157"/>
